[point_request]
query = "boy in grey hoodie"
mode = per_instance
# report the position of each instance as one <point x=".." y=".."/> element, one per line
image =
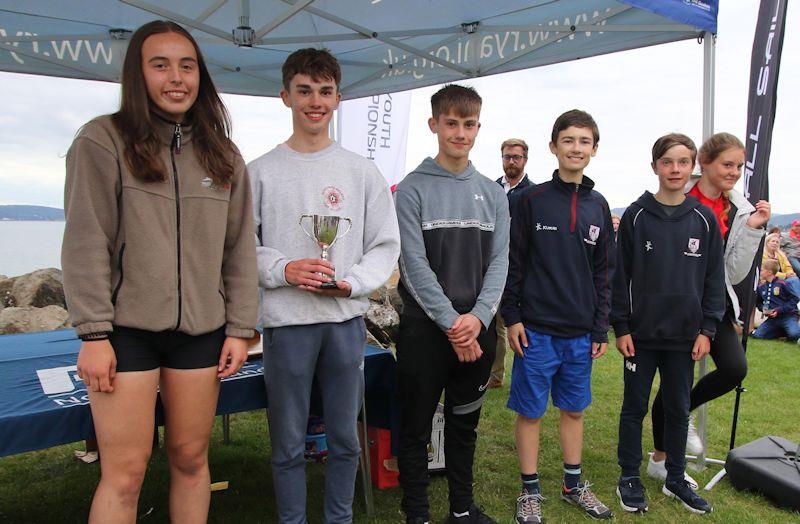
<point x="454" y="226"/>
<point x="309" y="329"/>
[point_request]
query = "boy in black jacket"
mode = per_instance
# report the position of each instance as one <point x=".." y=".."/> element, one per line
<point x="556" y="306"/>
<point x="669" y="294"/>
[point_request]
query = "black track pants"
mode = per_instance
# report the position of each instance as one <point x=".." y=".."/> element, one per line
<point x="676" y="369"/>
<point x="426" y="365"/>
<point x="728" y="356"/>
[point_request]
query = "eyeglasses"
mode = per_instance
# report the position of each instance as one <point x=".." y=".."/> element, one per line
<point x="515" y="158"/>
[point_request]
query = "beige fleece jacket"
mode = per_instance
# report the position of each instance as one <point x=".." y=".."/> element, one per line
<point x="174" y="255"/>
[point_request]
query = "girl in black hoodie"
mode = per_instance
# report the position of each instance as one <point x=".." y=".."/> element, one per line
<point x="667" y="298"/>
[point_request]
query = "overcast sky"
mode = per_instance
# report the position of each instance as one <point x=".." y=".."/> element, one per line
<point x="635" y="96"/>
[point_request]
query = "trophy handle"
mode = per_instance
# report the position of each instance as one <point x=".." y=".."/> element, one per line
<point x="349" y="225"/>
<point x="309" y="235"/>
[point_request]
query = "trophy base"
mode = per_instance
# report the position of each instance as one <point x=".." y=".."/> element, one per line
<point x="329" y="285"/>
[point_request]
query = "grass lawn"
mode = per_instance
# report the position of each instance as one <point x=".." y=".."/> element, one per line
<point x="52" y="486"/>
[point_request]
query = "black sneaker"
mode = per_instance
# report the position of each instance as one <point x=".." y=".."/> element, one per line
<point x="416" y="520"/>
<point x="475" y="515"/>
<point x="583" y="497"/>
<point x="690" y="500"/>
<point x="631" y="495"/>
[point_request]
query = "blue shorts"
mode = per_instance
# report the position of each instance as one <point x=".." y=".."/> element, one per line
<point x="560" y="365"/>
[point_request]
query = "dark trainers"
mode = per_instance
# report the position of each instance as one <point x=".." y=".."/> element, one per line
<point x="529" y="507"/>
<point x="416" y="520"/>
<point x="631" y="495"/>
<point x="475" y="515"/>
<point x="582" y="497"/>
<point x="690" y="500"/>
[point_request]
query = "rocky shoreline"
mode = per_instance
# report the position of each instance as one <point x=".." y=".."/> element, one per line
<point x="35" y="302"/>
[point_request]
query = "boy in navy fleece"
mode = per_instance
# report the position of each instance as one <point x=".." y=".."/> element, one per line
<point x="454" y="258"/>
<point x="776" y="300"/>
<point x="556" y="306"/>
<point x="669" y="295"/>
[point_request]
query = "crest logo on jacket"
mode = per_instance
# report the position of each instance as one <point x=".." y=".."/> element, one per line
<point x="594" y="232"/>
<point x="333" y="197"/>
<point x="209" y="183"/>
<point x="694" y="245"/>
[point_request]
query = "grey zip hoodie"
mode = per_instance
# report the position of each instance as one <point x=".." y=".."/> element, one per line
<point x="454" y="231"/>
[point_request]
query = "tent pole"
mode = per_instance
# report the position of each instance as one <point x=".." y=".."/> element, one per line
<point x="709" y="45"/>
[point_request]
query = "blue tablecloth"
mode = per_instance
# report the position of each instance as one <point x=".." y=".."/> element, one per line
<point x="43" y="403"/>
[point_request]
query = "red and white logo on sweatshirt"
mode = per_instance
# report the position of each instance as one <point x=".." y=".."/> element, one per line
<point x="333" y="197"/>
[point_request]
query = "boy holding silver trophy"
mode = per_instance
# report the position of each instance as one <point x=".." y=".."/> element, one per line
<point x="314" y="293"/>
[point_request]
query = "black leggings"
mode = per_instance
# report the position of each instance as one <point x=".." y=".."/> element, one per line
<point x="728" y="356"/>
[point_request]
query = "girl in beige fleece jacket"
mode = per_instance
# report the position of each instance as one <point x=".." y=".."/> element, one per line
<point x="159" y="269"/>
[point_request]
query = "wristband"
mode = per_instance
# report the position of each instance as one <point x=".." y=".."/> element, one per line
<point x="93" y="337"/>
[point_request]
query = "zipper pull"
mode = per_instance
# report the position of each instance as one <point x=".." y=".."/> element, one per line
<point x="178" y="139"/>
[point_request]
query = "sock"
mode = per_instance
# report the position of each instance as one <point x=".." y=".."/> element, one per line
<point x="572" y="475"/>
<point x="530" y="483"/>
<point x="624" y="478"/>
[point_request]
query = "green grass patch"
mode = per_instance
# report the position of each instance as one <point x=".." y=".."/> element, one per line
<point x="52" y="486"/>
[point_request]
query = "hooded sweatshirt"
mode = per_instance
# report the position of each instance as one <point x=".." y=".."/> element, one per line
<point x="669" y="283"/>
<point x="561" y="262"/>
<point x="741" y="244"/>
<point x="454" y="243"/>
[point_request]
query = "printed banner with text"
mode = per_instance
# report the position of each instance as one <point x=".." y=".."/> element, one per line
<point x="377" y="128"/>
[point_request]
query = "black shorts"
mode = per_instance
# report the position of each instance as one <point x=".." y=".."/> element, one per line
<point x="141" y="350"/>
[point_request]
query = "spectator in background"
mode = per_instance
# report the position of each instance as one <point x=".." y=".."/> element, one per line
<point x="615" y="222"/>
<point x="790" y="244"/>
<point x="779" y="305"/>
<point x="785" y="272"/>
<point x="514" y="153"/>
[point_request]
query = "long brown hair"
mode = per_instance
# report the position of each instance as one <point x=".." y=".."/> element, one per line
<point x="208" y="117"/>
<point x="714" y="146"/>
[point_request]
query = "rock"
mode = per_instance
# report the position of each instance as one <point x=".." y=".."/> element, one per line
<point x="32" y="319"/>
<point x="40" y="288"/>
<point x="382" y="317"/>
<point x="383" y="322"/>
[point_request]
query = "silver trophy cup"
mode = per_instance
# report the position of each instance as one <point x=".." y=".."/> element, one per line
<point x="325" y="232"/>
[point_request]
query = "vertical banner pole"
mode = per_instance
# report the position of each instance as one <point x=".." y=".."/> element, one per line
<point x="709" y="55"/>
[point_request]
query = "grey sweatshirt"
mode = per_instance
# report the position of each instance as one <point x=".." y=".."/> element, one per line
<point x="454" y="231"/>
<point x="334" y="181"/>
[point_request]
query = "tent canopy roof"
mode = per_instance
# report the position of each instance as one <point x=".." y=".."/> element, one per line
<point x="383" y="45"/>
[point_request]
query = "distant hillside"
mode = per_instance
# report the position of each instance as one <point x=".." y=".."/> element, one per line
<point x="31" y="213"/>
<point x="782" y="221"/>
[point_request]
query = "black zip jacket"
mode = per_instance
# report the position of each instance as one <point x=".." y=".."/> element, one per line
<point x="669" y="284"/>
<point x="514" y="193"/>
<point x="560" y="260"/>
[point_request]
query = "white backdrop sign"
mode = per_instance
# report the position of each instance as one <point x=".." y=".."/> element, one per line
<point x="377" y="128"/>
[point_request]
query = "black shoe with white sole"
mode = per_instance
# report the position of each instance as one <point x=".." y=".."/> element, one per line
<point x="690" y="500"/>
<point x="631" y="495"/>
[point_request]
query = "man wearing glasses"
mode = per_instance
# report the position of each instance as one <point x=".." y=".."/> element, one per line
<point x="515" y="155"/>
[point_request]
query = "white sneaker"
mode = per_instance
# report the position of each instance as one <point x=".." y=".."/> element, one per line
<point x="658" y="471"/>
<point x="694" y="444"/>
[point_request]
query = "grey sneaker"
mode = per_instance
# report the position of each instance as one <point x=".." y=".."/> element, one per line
<point x="529" y="507"/>
<point x="583" y="497"/>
